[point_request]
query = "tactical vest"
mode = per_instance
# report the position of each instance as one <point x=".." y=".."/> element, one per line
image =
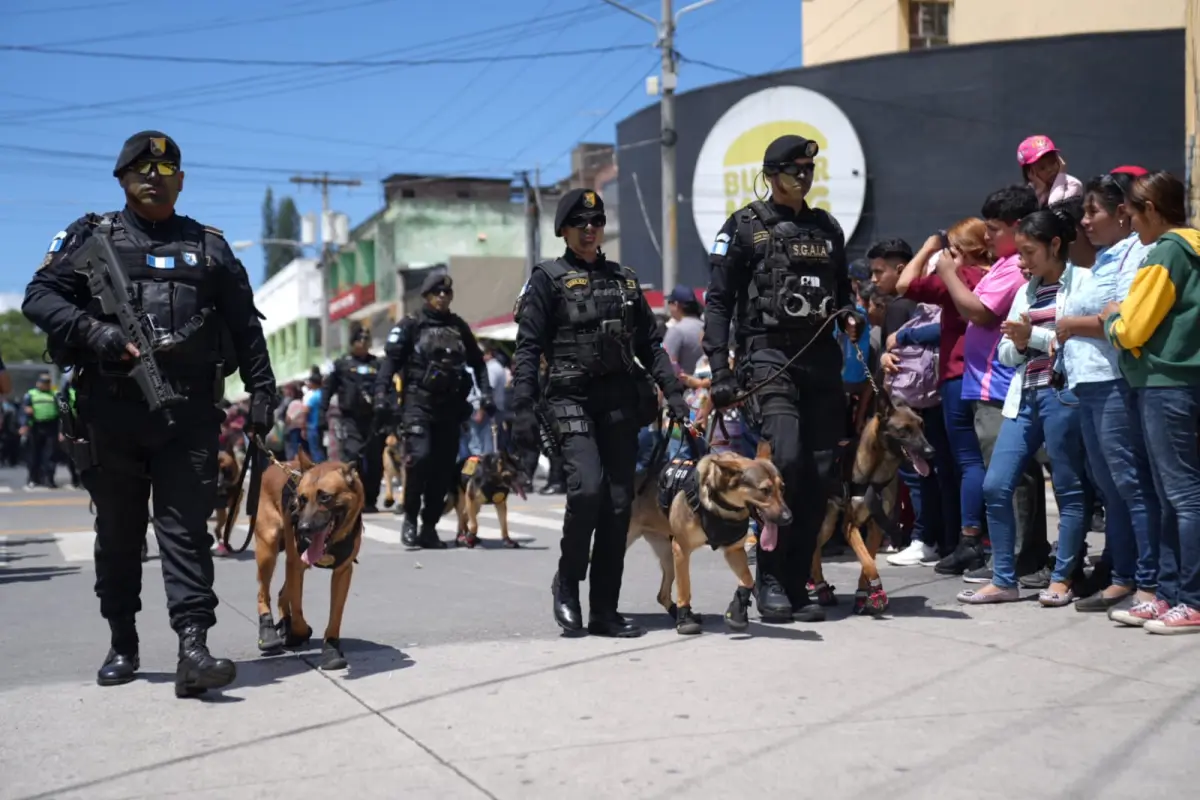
<point x="45" y="407"/>
<point x="681" y="475"/>
<point x="357" y="385"/>
<point x="595" y="321"/>
<point x="491" y="490"/>
<point x="173" y="286"/>
<point x="436" y="372"/>
<point x="794" y="285"/>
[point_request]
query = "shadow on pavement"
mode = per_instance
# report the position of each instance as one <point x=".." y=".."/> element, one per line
<point x="28" y="574"/>
<point x="256" y="672"/>
<point x="363" y="658"/>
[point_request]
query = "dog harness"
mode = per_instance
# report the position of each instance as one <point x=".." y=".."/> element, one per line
<point x="338" y="552"/>
<point x="681" y="475"/>
<point x="490" y="489"/>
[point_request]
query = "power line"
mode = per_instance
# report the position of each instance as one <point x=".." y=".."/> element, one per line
<point x="62" y="9"/>
<point x="266" y="62"/>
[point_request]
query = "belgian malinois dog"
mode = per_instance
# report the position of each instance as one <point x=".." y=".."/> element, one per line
<point x="894" y="435"/>
<point x="710" y="501"/>
<point x="393" y="470"/>
<point x="228" y="471"/>
<point x="313" y="514"/>
<point x="484" y="480"/>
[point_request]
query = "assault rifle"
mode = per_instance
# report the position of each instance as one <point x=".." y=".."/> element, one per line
<point x="546" y="431"/>
<point x="108" y="283"/>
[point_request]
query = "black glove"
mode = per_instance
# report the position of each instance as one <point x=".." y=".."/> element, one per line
<point x="677" y="408"/>
<point x="487" y="405"/>
<point x="262" y="412"/>
<point x="526" y="432"/>
<point x="105" y="340"/>
<point x="381" y="404"/>
<point x="724" y="389"/>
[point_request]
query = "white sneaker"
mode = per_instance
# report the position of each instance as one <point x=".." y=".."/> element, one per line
<point x="913" y="555"/>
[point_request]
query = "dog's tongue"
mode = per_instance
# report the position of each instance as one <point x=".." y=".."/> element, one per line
<point x="920" y="464"/>
<point x="316" y="549"/>
<point x="768" y="537"/>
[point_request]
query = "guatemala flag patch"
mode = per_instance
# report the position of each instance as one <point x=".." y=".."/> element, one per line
<point x="721" y="245"/>
<point x="57" y="242"/>
<point x="161" y="262"/>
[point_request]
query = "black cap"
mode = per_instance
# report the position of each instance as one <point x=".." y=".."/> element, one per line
<point x="789" y="148"/>
<point x="154" y="145"/>
<point x="435" y="281"/>
<point x="577" y="203"/>
<point x="359" y="333"/>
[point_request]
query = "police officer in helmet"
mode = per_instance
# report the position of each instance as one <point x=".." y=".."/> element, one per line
<point x="779" y="273"/>
<point x="195" y="302"/>
<point x="352" y="382"/>
<point x="588" y="316"/>
<point x="430" y="350"/>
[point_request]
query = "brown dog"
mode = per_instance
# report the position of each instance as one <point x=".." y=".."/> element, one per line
<point x="894" y="435"/>
<point x="709" y="502"/>
<point x="484" y="480"/>
<point x="313" y="514"/>
<point x="393" y="469"/>
<point x="228" y="468"/>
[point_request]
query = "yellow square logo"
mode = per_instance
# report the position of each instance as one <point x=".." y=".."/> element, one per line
<point x="158" y="146"/>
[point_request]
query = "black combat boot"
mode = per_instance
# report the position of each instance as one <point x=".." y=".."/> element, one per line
<point x="429" y="539"/>
<point x="408" y="534"/>
<point x="567" y="612"/>
<point x="198" y="671"/>
<point x="612" y="624"/>
<point x="773" y="602"/>
<point x="122" y="663"/>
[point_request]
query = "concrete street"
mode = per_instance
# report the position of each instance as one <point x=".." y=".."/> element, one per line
<point x="460" y="686"/>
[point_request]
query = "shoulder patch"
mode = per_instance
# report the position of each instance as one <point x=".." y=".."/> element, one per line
<point x="720" y="245"/>
<point x="213" y="231"/>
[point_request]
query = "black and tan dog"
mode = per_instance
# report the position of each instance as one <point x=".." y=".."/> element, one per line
<point x="312" y="514"/>
<point x="228" y="469"/>
<point x="895" y="434"/>
<point x="709" y="501"/>
<point x="484" y="480"/>
<point x="393" y="470"/>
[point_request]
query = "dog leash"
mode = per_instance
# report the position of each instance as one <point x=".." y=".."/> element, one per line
<point x="255" y="451"/>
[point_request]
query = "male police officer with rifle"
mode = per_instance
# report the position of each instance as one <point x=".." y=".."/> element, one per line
<point x="780" y="265"/>
<point x="153" y="311"/>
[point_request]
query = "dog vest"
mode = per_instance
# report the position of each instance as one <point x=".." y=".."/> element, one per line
<point x="681" y="475"/>
<point x="491" y="490"/>
<point x="338" y="552"/>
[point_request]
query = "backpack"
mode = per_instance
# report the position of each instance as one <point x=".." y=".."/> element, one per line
<point x="916" y="384"/>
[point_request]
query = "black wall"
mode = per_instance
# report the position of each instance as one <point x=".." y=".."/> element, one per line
<point x="939" y="130"/>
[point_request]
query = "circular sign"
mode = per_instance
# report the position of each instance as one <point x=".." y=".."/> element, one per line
<point x="728" y="170"/>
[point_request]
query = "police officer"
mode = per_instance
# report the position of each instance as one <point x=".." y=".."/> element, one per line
<point x="430" y="350"/>
<point x="352" y="381"/>
<point x="588" y="316"/>
<point x="197" y="305"/>
<point x="41" y="420"/>
<point x="779" y="273"/>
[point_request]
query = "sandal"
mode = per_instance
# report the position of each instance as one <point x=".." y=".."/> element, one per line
<point x="1051" y="599"/>
<point x="998" y="595"/>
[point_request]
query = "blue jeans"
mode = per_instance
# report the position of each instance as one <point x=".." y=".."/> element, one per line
<point x="291" y="443"/>
<point x="1117" y="453"/>
<point x="964" y="445"/>
<point x="316" y="451"/>
<point x="480" y="437"/>
<point x="1053" y="418"/>
<point x="1169" y="423"/>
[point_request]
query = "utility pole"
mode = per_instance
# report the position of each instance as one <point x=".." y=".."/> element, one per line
<point x="670" y="79"/>
<point x="326" y="247"/>
<point x="533" y="250"/>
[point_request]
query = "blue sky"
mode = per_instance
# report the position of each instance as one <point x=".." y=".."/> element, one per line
<point x="243" y="127"/>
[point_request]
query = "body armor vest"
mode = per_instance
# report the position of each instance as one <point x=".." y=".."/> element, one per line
<point x="794" y="285"/>
<point x="681" y="475"/>
<point x="357" y="385"/>
<point x="436" y="372"/>
<point x="595" y="320"/>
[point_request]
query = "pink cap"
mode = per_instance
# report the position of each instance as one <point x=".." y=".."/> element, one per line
<point x="1130" y="169"/>
<point x="1034" y="148"/>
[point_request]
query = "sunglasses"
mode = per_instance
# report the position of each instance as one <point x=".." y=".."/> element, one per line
<point x="442" y="292"/>
<point x="796" y="170"/>
<point x="164" y="168"/>
<point x="597" y="221"/>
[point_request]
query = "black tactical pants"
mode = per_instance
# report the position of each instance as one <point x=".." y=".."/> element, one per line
<point x="430" y="458"/>
<point x="135" y="452"/>
<point x="43" y="443"/>
<point x="599" y="457"/>
<point x="358" y="445"/>
<point x="803" y="416"/>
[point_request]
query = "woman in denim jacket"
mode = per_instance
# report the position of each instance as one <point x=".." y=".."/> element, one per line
<point x="1115" y="445"/>
<point x="1035" y="412"/>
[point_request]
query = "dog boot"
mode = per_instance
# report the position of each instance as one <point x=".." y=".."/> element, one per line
<point x="686" y="623"/>
<point x="773" y="602"/>
<point x="429" y="539"/>
<point x="408" y="535"/>
<point x="122" y="663"/>
<point x="269" y="640"/>
<point x="735" y="616"/>
<point x="331" y="655"/>
<point x="198" y="671"/>
<point x="567" y="612"/>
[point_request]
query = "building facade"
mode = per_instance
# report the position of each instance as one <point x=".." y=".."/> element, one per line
<point x="838" y="30"/>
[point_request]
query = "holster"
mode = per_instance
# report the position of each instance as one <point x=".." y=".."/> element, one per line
<point x="80" y="446"/>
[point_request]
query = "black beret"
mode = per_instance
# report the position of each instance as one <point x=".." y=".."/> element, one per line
<point x="789" y="148"/>
<point x="577" y="203"/>
<point x="435" y="281"/>
<point x="154" y="144"/>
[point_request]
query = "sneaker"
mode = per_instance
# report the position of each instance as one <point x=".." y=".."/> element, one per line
<point x="916" y="554"/>
<point x="1140" y="613"/>
<point x="1180" y="619"/>
<point x="981" y="575"/>
<point x="1036" y="580"/>
<point x="968" y="555"/>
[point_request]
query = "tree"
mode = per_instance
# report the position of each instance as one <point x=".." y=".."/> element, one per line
<point x="22" y="340"/>
<point x="268" y="231"/>
<point x="285" y="226"/>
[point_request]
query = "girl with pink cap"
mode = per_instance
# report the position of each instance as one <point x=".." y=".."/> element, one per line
<point x="1046" y="171"/>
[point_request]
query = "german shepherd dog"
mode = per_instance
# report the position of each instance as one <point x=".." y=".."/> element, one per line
<point x="393" y="469"/>
<point x="709" y="502"/>
<point x="895" y="434"/>
<point x="228" y="467"/>
<point x="484" y="480"/>
<point x="313" y="514"/>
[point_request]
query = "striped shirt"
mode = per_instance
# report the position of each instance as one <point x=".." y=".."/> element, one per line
<point x="1038" y="369"/>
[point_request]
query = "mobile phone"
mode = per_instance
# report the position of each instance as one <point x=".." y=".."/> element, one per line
<point x="945" y="240"/>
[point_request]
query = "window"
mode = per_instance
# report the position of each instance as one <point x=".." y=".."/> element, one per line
<point x="314" y="334"/>
<point x="408" y="192"/>
<point x="928" y="24"/>
<point x="463" y="193"/>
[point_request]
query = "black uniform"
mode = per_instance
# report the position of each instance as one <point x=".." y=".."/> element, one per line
<point x="431" y="351"/>
<point x="778" y="276"/>
<point x="352" y="381"/>
<point x="590" y="320"/>
<point x="181" y="272"/>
